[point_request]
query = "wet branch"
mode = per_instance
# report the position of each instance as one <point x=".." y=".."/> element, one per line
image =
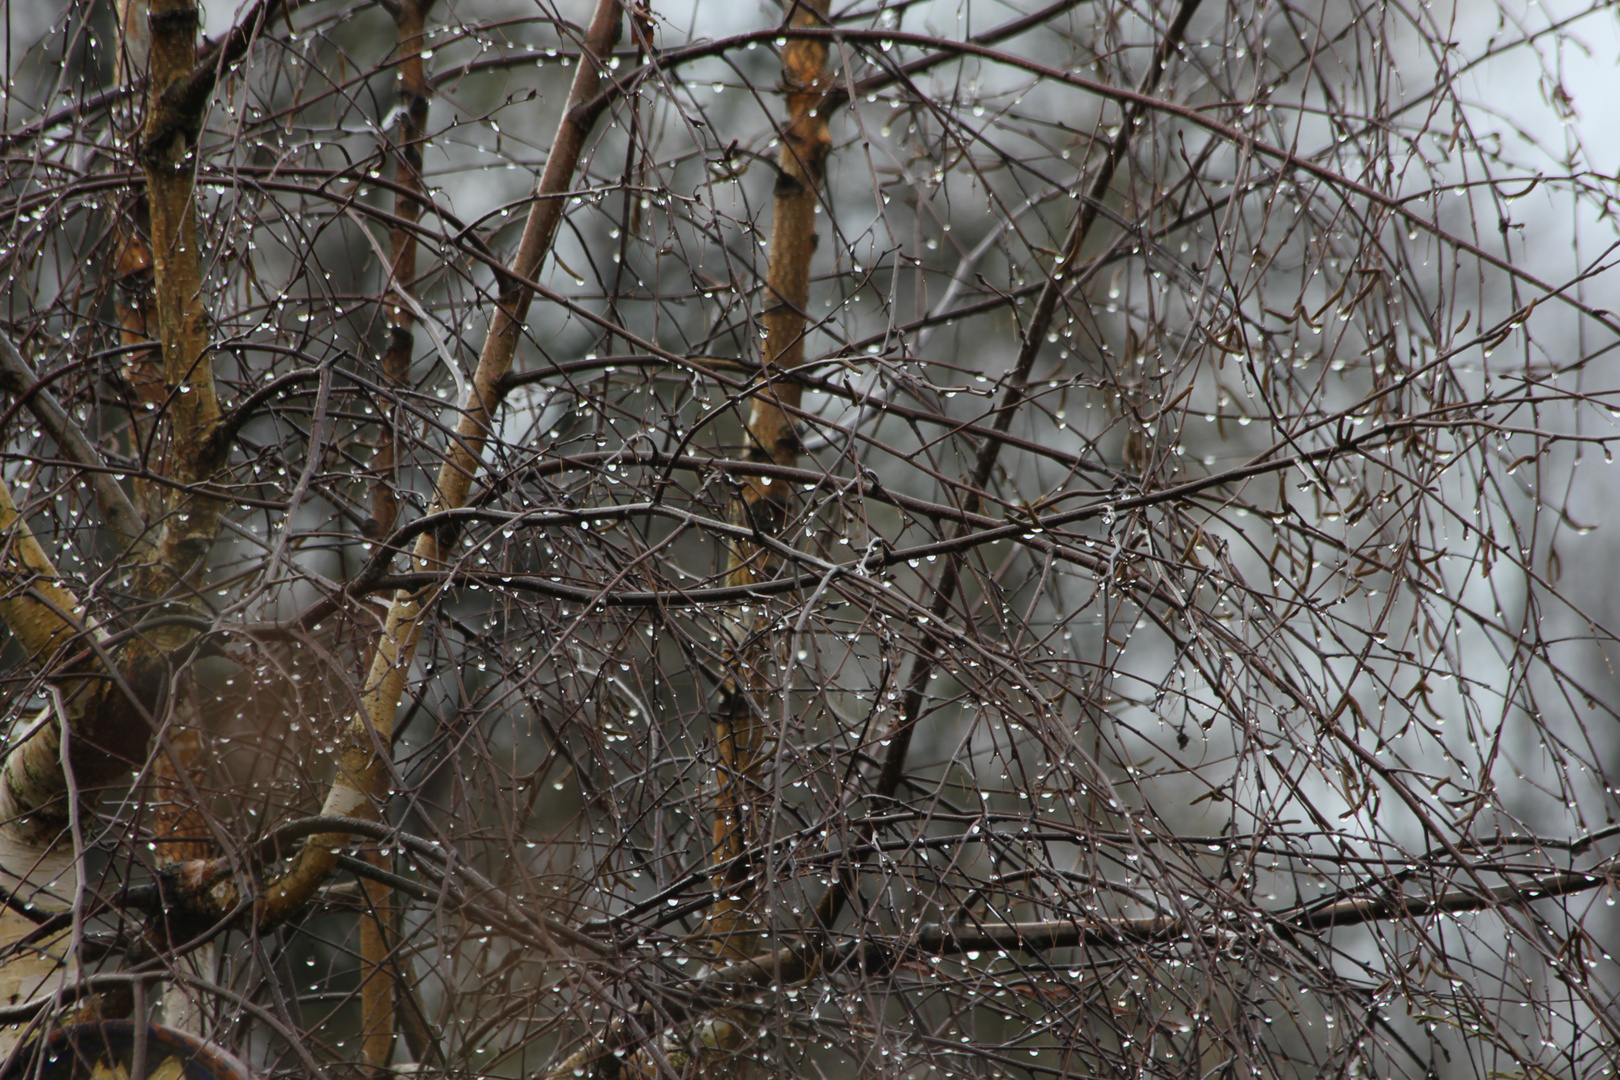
<point x="770" y="436"/>
<point x="17" y="375"/>
<point x="1034" y="336"/>
<point x="365" y="738"/>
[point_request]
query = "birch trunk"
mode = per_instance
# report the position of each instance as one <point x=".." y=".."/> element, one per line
<point x="112" y="717"/>
<point x="37" y="868"/>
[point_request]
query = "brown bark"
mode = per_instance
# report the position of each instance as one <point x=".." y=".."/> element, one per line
<point x="143" y="365"/>
<point x="376" y="971"/>
<point x="143" y="362"/>
<point x="180" y="834"/>
<point x="180" y="392"/>
<point x="378" y="1007"/>
<point x="109" y="703"/>
<point x="413" y="91"/>
<point x="179" y="831"/>
<point x="160" y="278"/>
<point x="191" y="407"/>
<point x="740" y="735"/>
<point x="111" y="715"/>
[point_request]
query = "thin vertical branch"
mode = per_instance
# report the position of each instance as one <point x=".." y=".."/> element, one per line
<point x="739" y="732"/>
<point x="376" y="971"/>
<point x="410" y="134"/>
<point x="378" y="1006"/>
<point x="132" y="260"/>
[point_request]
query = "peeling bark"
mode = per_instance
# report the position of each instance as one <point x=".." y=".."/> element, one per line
<point x="47" y="620"/>
<point x="109" y="703"/>
<point x="110" y="723"/>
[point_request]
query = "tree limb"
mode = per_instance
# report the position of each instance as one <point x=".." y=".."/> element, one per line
<point x="18" y="376"/>
<point x="366" y="736"/>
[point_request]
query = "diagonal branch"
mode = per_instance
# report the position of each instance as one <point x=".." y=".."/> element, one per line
<point x="1056" y="285"/>
<point x="18" y="376"/>
<point x="41" y="613"/>
<point x="365" y="738"/>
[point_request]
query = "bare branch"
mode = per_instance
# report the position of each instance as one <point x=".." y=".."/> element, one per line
<point x="18" y="376"/>
<point x="367" y="735"/>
